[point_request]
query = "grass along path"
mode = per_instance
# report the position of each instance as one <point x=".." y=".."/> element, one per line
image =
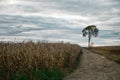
<point x="95" y="67"/>
<point x="110" y="52"/>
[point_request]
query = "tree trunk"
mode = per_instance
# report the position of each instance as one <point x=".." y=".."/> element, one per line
<point x="89" y="38"/>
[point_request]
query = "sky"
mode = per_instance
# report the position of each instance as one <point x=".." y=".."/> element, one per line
<point x="60" y="20"/>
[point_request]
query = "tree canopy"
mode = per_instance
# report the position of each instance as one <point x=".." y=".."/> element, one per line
<point x="90" y="31"/>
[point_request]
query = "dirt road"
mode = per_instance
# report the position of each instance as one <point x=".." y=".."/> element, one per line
<point x="95" y="67"/>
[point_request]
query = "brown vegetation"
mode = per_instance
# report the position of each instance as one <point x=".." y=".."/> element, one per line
<point x="111" y="52"/>
<point x="25" y="56"/>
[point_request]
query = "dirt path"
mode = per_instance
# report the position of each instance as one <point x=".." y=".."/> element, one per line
<point x="95" y="67"/>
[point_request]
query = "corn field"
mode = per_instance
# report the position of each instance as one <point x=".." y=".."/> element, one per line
<point x="25" y="56"/>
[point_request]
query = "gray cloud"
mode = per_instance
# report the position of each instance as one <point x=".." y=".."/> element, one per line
<point x="60" y="19"/>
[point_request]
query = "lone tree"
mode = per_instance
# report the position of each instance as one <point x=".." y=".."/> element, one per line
<point x="90" y="31"/>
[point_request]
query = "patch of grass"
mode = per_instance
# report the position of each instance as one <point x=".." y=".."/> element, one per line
<point x="110" y="52"/>
<point x="118" y="60"/>
<point x="40" y="74"/>
<point x="54" y="74"/>
<point x="3" y="75"/>
<point x="20" y="76"/>
<point x="70" y="68"/>
<point x="77" y="62"/>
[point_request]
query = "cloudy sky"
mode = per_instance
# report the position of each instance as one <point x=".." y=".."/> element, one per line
<point x="60" y="20"/>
